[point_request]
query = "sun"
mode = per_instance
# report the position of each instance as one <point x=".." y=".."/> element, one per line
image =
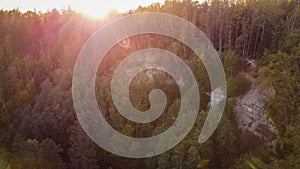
<point x="96" y="12"/>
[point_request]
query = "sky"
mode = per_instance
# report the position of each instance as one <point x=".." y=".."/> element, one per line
<point x="90" y="7"/>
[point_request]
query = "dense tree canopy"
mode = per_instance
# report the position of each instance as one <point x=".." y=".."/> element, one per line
<point x="38" y="51"/>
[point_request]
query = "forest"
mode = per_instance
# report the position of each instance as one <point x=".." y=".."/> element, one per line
<point x="258" y="42"/>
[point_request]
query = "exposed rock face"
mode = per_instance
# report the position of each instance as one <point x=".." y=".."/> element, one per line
<point x="251" y="116"/>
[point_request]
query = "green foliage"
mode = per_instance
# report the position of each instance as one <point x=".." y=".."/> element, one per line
<point x="249" y="162"/>
<point x="229" y="62"/>
<point x="280" y="73"/>
<point x="38" y="126"/>
<point x="237" y="86"/>
<point x="3" y="161"/>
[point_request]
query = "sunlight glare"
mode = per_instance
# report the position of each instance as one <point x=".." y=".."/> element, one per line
<point x="100" y="9"/>
<point x="96" y="11"/>
<point x="92" y="8"/>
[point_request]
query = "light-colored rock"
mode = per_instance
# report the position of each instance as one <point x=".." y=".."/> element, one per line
<point x="251" y="115"/>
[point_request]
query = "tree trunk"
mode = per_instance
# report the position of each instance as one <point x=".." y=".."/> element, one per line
<point x="236" y="34"/>
<point x="294" y="19"/>
<point x="220" y="30"/>
<point x="255" y="45"/>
